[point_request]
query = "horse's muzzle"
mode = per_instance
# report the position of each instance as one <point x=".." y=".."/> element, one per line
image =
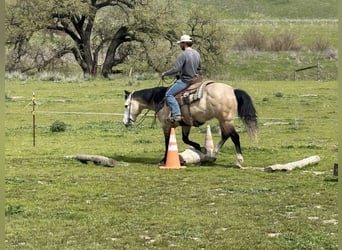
<point x="129" y="123"/>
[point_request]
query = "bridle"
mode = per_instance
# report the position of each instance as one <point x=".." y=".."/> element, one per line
<point x="130" y="120"/>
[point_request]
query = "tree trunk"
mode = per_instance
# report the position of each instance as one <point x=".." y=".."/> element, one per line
<point x="83" y="52"/>
<point x="121" y="36"/>
<point x="86" y="62"/>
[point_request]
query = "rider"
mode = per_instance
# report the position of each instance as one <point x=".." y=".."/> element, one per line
<point x="187" y="65"/>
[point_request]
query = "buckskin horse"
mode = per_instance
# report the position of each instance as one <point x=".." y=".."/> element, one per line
<point x="199" y="103"/>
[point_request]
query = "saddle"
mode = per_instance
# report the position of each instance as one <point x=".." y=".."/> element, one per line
<point x="192" y="93"/>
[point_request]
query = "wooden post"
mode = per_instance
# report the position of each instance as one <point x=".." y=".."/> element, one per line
<point x="34" y="119"/>
<point x="335" y="172"/>
<point x="317" y="79"/>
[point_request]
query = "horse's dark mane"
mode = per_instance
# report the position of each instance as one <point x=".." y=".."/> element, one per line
<point x="151" y="96"/>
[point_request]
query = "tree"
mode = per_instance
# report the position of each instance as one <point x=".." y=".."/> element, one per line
<point x="210" y="39"/>
<point x="209" y="36"/>
<point x="77" y="20"/>
<point x="104" y="33"/>
<point x="88" y="24"/>
<point x="21" y="24"/>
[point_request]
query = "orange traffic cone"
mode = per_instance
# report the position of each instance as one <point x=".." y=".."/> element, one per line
<point x="209" y="144"/>
<point x="172" y="157"/>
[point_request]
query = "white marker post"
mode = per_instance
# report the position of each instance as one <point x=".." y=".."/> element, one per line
<point x="34" y="119"/>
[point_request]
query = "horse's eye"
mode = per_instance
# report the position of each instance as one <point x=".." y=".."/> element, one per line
<point x="126" y="106"/>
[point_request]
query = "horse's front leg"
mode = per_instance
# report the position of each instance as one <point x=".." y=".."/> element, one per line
<point x="220" y="143"/>
<point x="166" y="141"/>
<point x="186" y="140"/>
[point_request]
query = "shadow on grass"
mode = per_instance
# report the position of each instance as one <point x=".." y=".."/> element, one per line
<point x="154" y="161"/>
<point x="331" y="179"/>
<point x="150" y="160"/>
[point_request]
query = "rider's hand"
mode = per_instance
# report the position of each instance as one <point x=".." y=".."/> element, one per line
<point x="163" y="75"/>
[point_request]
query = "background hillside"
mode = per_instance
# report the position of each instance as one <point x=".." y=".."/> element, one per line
<point x="310" y="27"/>
<point x="241" y="9"/>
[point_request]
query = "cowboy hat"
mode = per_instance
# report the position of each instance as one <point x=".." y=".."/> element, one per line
<point x="185" y="39"/>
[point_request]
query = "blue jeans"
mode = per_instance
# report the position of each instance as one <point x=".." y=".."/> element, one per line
<point x="170" y="94"/>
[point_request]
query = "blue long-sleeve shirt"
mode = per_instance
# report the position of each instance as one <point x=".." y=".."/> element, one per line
<point x="188" y="65"/>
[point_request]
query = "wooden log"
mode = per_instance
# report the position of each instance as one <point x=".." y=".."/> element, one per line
<point x="191" y="155"/>
<point x="96" y="159"/>
<point x="312" y="160"/>
<point x="275" y="123"/>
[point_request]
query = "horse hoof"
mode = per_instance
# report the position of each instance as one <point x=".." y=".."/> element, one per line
<point x="239" y="159"/>
<point x="203" y="150"/>
<point x="238" y="165"/>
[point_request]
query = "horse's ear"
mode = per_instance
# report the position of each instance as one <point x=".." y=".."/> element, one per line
<point x="127" y="94"/>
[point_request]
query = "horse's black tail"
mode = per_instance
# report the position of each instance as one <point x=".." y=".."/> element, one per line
<point x="247" y="112"/>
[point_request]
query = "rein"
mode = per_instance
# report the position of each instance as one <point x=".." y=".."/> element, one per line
<point x="129" y="109"/>
<point x="156" y="106"/>
<point x="142" y="119"/>
<point x="162" y="81"/>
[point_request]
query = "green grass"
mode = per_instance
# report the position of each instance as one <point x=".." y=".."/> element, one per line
<point x="269" y="8"/>
<point x="309" y="22"/>
<point x="56" y="203"/>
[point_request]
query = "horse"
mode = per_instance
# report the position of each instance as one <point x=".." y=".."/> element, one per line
<point x="213" y="100"/>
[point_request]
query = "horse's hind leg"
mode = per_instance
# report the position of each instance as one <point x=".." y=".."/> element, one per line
<point x="228" y="130"/>
<point x="236" y="140"/>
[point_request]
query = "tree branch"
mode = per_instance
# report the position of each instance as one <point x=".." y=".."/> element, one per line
<point x="68" y="31"/>
<point x="128" y="3"/>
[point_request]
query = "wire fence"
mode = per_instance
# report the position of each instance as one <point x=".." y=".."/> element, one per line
<point x="152" y="115"/>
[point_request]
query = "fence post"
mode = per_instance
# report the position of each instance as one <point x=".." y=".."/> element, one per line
<point x="317" y="78"/>
<point x="34" y="119"/>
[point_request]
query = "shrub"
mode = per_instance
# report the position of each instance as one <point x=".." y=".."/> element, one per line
<point x="58" y="126"/>
<point x="251" y="39"/>
<point x="320" y="44"/>
<point x="51" y="76"/>
<point x="284" y="42"/>
<point x="14" y="210"/>
<point x="16" y="75"/>
<point x="278" y="94"/>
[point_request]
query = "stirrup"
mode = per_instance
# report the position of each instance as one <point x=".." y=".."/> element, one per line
<point x="174" y="119"/>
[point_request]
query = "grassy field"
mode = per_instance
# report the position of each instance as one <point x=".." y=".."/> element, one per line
<point x="246" y="9"/>
<point x="56" y="203"/>
<point x="308" y="35"/>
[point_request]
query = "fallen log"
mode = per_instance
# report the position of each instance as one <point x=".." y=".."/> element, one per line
<point x="191" y="155"/>
<point x="96" y="159"/>
<point x="275" y="123"/>
<point x="312" y="160"/>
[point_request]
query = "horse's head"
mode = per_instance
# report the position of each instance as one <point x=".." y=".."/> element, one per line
<point x="136" y="102"/>
<point x="132" y="109"/>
